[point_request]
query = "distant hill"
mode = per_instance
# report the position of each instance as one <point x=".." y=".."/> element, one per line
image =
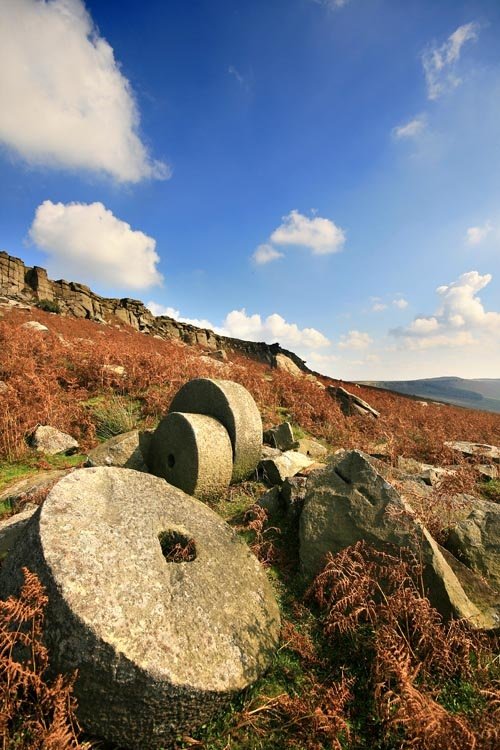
<point x="481" y="394"/>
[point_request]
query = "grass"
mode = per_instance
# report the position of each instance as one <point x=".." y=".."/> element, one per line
<point x="11" y="472"/>
<point x="491" y="490"/>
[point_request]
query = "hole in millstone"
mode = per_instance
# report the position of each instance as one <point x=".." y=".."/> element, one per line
<point x="177" y="547"/>
<point x="170" y="460"/>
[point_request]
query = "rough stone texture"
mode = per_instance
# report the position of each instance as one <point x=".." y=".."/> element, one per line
<point x="313" y="449"/>
<point x="192" y="452"/>
<point x="350" y="501"/>
<point x="34" y="325"/>
<point x="271" y="501"/>
<point x="233" y="406"/>
<point x="476" y="540"/>
<point x="427" y="473"/>
<point x="158" y="646"/>
<point x="285" y="363"/>
<point x="281" y="437"/>
<point x="124" y="451"/>
<point x="47" y="439"/>
<point x="293" y="493"/>
<point x="12" y="528"/>
<point x="485" y="471"/>
<point x="28" y="489"/>
<point x="350" y="404"/>
<point x="475" y="450"/>
<point x="275" y="470"/>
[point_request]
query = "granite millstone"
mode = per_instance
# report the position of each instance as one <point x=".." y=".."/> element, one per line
<point x="192" y="452"/>
<point x="232" y="405"/>
<point x="158" y="645"/>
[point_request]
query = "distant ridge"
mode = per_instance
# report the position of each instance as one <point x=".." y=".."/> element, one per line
<point x="483" y="394"/>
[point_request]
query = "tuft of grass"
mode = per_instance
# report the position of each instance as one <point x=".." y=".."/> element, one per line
<point x="114" y="415"/>
<point x="491" y="490"/>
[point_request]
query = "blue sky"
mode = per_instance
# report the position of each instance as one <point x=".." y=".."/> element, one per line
<point x="322" y="174"/>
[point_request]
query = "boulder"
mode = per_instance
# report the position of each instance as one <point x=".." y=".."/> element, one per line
<point x="313" y="449"/>
<point x="350" y="501"/>
<point x="293" y="493"/>
<point x="30" y="489"/>
<point x="278" y="468"/>
<point x="34" y="325"/>
<point x="285" y="364"/>
<point x="476" y="540"/>
<point x="160" y="641"/>
<point x="487" y="471"/>
<point x="271" y="501"/>
<point x="281" y="437"/>
<point x="427" y="473"/>
<point x="47" y="439"/>
<point x="117" y="370"/>
<point x="475" y="450"/>
<point x="350" y="404"/>
<point x="233" y="406"/>
<point x="125" y="451"/>
<point x="11" y="528"/>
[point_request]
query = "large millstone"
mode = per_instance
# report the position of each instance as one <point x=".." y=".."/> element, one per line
<point x="158" y="645"/>
<point x="232" y="405"/>
<point x="192" y="452"/>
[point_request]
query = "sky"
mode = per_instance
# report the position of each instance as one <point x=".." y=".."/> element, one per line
<point x="321" y="173"/>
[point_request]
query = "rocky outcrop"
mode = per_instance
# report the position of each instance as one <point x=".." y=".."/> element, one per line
<point x="30" y="285"/>
<point x="350" y="404"/>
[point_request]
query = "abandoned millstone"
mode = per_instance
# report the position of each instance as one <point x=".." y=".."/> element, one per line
<point x="125" y="450"/>
<point x="47" y="439"/>
<point x="159" y="646"/>
<point x="280" y="437"/>
<point x="192" y="452"/>
<point x="278" y="468"/>
<point x="232" y="405"/>
<point x="350" y="501"/>
<point x="11" y="528"/>
<point x="476" y="540"/>
<point x="351" y="404"/>
<point x="475" y="450"/>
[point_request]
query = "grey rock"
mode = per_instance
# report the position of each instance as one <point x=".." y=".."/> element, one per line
<point x="312" y="448"/>
<point x="280" y="437"/>
<point x="276" y="469"/>
<point x="431" y="475"/>
<point x="47" y="439"/>
<point x="487" y="471"/>
<point x="350" y="404"/>
<point x="125" y="450"/>
<point x="350" y="501"/>
<point x="475" y="450"/>
<point x="159" y="646"/>
<point x="11" y="528"/>
<point x="476" y="540"/>
<point x="285" y="364"/>
<point x="28" y="490"/>
<point x="271" y="501"/>
<point x="293" y="493"/>
<point x="233" y="406"/>
<point x="34" y="325"/>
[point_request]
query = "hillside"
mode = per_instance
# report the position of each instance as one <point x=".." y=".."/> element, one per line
<point x="481" y="394"/>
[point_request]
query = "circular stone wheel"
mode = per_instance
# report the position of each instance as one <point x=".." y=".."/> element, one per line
<point x="192" y="452"/>
<point x="159" y="644"/>
<point x="235" y="408"/>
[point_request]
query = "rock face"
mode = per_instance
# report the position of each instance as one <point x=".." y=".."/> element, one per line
<point x="233" y="406"/>
<point x="476" y="540"/>
<point x="12" y="528"/>
<point x="158" y="645"/>
<point x="475" y="450"/>
<point x="280" y="437"/>
<point x="192" y="452"/>
<point x="351" y="404"/>
<point x="280" y="467"/>
<point x="285" y="363"/>
<point x="48" y="440"/>
<point x="350" y="501"/>
<point x="125" y="450"/>
<point x="25" y="284"/>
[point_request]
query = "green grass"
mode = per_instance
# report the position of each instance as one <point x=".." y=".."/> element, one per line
<point x="491" y="490"/>
<point x="114" y="415"/>
<point x="32" y="464"/>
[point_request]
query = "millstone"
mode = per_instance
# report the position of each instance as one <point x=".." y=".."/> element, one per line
<point x="192" y="452"/>
<point x="235" y="408"/>
<point x="158" y="645"/>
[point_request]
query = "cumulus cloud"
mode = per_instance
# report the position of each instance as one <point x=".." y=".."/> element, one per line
<point x="65" y="102"/>
<point x="475" y="235"/>
<point x="265" y="254"/>
<point x="411" y="129"/>
<point x="320" y="236"/>
<point x="440" y="62"/>
<point x="377" y="304"/>
<point x="459" y="320"/>
<point x="87" y="242"/>
<point x="355" y="340"/>
<point x="400" y="302"/>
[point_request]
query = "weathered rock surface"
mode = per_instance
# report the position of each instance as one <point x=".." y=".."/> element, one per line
<point x="278" y="468"/>
<point x="158" y="645"/>
<point x="350" y="501"/>
<point x="28" y="490"/>
<point x="293" y="494"/>
<point x="351" y="404"/>
<point x="312" y="448"/>
<point x="125" y="450"/>
<point x="34" y="325"/>
<point x="47" y="439"/>
<point x="233" y="406"/>
<point x="12" y="528"/>
<point x="192" y="452"/>
<point x="431" y="475"/>
<point x="476" y="540"/>
<point x="475" y="450"/>
<point x="281" y="437"/>
<point x="286" y="364"/>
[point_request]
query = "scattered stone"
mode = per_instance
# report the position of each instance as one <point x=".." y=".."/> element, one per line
<point x="486" y="471"/>
<point x="280" y="437"/>
<point x="271" y="501"/>
<point x="380" y="450"/>
<point x="268" y="452"/>
<point x="232" y="405"/>
<point x="34" y="325"/>
<point x="159" y="646"/>
<point x="29" y="489"/>
<point x="192" y="452"/>
<point x="422" y="403"/>
<point x="118" y="370"/>
<point x="285" y="364"/>
<point x="350" y="501"/>
<point x="125" y="451"/>
<point x="293" y="493"/>
<point x="12" y="528"/>
<point x="427" y="473"/>
<point x="307" y="470"/>
<point x="350" y="404"/>
<point x="47" y="439"/>
<point x="219" y="354"/>
<point x="475" y="450"/>
<point x="312" y="448"/>
<point x="278" y="468"/>
<point x="476" y="540"/>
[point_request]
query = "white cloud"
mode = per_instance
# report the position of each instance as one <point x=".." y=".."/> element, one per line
<point x="162" y="310"/>
<point x="460" y="319"/>
<point x="401" y="303"/>
<point x="265" y="254"/>
<point x="88" y="243"/>
<point x="355" y="340"/>
<point x="475" y="235"/>
<point x="410" y="129"/>
<point x="440" y="63"/>
<point x="65" y="102"/>
<point x="378" y="305"/>
<point x="320" y="236"/>
<point x="273" y="328"/>
<point x="332" y="4"/>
